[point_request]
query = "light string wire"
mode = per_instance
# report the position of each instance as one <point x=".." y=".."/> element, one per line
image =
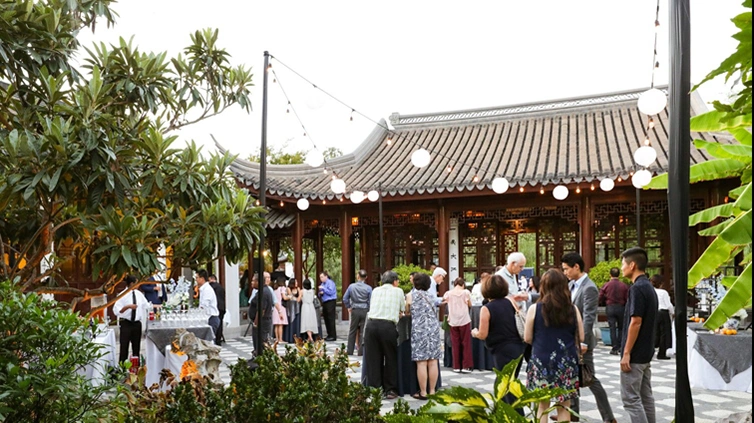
<point x="453" y="163"/>
<point x="655" y="65"/>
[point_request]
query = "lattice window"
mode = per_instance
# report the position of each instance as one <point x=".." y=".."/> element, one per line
<point x="567" y="212"/>
<point x="399" y="220"/>
<point x="330" y="226"/>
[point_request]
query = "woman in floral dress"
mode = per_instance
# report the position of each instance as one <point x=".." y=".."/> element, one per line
<point x="554" y="329"/>
<point x="426" y="344"/>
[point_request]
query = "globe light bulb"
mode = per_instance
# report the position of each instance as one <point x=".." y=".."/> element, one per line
<point x="641" y="178"/>
<point x="302" y="204"/>
<point x="373" y="195"/>
<point x="500" y="185"/>
<point x="420" y="158"/>
<point x="314" y="158"/>
<point x="607" y="184"/>
<point x="652" y="101"/>
<point x="645" y="156"/>
<point x="338" y="186"/>
<point x="560" y="192"/>
<point x="357" y="197"/>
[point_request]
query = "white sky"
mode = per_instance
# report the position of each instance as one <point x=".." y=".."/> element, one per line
<point x="419" y="56"/>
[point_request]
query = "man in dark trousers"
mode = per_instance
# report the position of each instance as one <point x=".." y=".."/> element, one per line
<point x="220" y="294"/>
<point x="614" y="295"/>
<point x="638" y="339"/>
<point x="328" y="294"/>
<point x="585" y="296"/>
<point x="266" y="323"/>
<point x="130" y="309"/>
<point x="356" y="301"/>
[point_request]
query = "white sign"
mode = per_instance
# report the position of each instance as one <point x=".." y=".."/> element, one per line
<point x="453" y="250"/>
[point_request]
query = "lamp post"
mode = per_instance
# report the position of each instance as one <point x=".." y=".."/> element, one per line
<point x="262" y="202"/>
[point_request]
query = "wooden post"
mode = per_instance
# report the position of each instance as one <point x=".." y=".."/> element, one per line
<point x="298" y="242"/>
<point x="586" y="226"/>
<point x="443" y="248"/>
<point x="318" y="246"/>
<point x="346" y="256"/>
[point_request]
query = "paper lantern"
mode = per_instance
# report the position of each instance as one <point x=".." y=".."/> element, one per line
<point x="420" y="158"/>
<point x="652" y="102"/>
<point x="373" y="195"/>
<point x="357" y="197"/>
<point x="645" y="156"/>
<point x="302" y="204"/>
<point x="560" y="192"/>
<point x="607" y="184"/>
<point x="314" y="158"/>
<point x="641" y="178"/>
<point x="338" y="186"/>
<point x="500" y="185"/>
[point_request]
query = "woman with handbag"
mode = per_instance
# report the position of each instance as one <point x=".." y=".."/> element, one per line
<point x="497" y="326"/>
<point x="553" y="328"/>
<point x="459" y="302"/>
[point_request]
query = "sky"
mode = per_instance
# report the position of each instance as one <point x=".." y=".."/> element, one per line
<point x="418" y="57"/>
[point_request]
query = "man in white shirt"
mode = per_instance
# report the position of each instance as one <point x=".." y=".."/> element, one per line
<point x="510" y="273"/>
<point x="208" y="300"/>
<point x="438" y="278"/>
<point x="130" y="309"/>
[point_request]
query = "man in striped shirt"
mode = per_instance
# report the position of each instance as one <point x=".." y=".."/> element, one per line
<point x="381" y="335"/>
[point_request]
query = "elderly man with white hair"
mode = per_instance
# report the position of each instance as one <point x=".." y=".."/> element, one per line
<point x="510" y="273"/>
<point x="438" y="277"/>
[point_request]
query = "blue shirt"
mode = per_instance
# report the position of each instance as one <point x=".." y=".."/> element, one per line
<point x="357" y="296"/>
<point x="327" y="290"/>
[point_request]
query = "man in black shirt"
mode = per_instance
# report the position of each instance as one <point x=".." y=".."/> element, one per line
<point x="220" y="294"/>
<point x="638" y="339"/>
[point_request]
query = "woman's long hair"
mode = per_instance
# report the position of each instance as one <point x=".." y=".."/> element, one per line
<point x="557" y="309"/>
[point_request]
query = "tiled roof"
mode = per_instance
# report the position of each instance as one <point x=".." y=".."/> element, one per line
<point x="565" y="141"/>
<point x="277" y="219"/>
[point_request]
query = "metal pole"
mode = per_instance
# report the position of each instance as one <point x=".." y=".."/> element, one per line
<point x="262" y="203"/>
<point x="638" y="217"/>
<point x="678" y="192"/>
<point x="382" y="236"/>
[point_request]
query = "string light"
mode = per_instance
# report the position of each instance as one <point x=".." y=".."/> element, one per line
<point x="521" y="189"/>
<point x="449" y="169"/>
<point x="476" y="178"/>
<point x="578" y="190"/>
<point x="542" y="190"/>
<point x="592" y="187"/>
<point x="352" y="110"/>
<point x="281" y="203"/>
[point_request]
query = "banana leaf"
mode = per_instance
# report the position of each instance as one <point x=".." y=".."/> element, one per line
<point x="739" y="231"/>
<point x="718" y="253"/>
<point x="744" y="200"/>
<point x="712" y="213"/>
<point x="707" y="171"/>
<point x="737" y="297"/>
<point x="714" y="121"/>
<point x="742" y="135"/>
<point x="717" y="229"/>
<point x="741" y="153"/>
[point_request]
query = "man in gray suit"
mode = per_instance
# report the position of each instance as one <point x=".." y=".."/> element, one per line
<point x="585" y="296"/>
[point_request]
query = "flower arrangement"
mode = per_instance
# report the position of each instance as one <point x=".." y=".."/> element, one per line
<point x="178" y="293"/>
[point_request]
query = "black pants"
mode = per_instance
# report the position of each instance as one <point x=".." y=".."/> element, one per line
<point x="358" y="319"/>
<point x="328" y="312"/>
<point x="503" y="355"/>
<point x="381" y="354"/>
<point x="266" y="325"/>
<point x="600" y="396"/>
<point x="664" y="335"/>
<point x="615" y="321"/>
<point x="130" y="333"/>
<point x="219" y="333"/>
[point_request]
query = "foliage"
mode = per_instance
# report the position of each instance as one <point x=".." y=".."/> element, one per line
<point x="732" y="231"/>
<point x="465" y="404"/>
<point x="42" y="349"/>
<point x="279" y="156"/>
<point x="404" y="275"/>
<point x="600" y="273"/>
<point x="87" y="158"/>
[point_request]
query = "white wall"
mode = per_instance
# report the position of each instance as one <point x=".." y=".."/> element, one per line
<point x="232" y="290"/>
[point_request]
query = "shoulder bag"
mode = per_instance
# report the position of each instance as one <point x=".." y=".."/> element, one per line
<point x="586" y="373"/>
<point x="520" y="319"/>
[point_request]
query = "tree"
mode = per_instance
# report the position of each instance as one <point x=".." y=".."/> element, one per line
<point x="86" y="155"/>
<point x="732" y="233"/>
<point x="279" y="156"/>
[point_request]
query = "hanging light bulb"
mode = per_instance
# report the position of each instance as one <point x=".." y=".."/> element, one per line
<point x="620" y="179"/>
<point x="338" y="186"/>
<point x="475" y="179"/>
<point x="357" y="197"/>
<point x="302" y="204"/>
<point x="373" y="195"/>
<point x="521" y="189"/>
<point x="282" y="204"/>
<point x="542" y="190"/>
<point x="500" y="185"/>
<point x="645" y="156"/>
<point x="449" y="169"/>
<point x="420" y="158"/>
<point x="607" y="184"/>
<point x="560" y="192"/>
<point x="578" y="190"/>
<point x="592" y="187"/>
<point x="651" y="123"/>
<point x="641" y="178"/>
<point x="314" y="158"/>
<point x="324" y="202"/>
<point x="652" y="101"/>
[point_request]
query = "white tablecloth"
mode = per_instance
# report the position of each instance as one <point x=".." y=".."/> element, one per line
<point x="703" y="375"/>
<point x="97" y="371"/>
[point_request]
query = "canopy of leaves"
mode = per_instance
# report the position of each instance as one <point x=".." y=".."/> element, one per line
<point x="89" y="156"/>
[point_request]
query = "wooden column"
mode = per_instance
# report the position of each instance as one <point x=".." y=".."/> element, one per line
<point x="586" y="228"/>
<point x="346" y="262"/>
<point x="221" y="266"/>
<point x="298" y="242"/>
<point x="442" y="224"/>
<point x="320" y="265"/>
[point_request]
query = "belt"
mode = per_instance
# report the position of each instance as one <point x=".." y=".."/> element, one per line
<point x="129" y="321"/>
<point x="382" y="320"/>
<point x="360" y="307"/>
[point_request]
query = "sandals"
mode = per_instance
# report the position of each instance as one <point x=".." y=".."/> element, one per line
<point x="419" y="396"/>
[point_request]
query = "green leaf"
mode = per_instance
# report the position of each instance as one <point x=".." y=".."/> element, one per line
<point x="450" y="412"/>
<point x="744" y="200"/>
<point x="716" y="229"/>
<point x="458" y="394"/>
<point x="742" y="135"/>
<point x="741" y="153"/>
<point x="504" y="379"/>
<point x="716" y="254"/>
<point x="735" y="193"/>
<point x="712" y="213"/>
<point x="737" y="297"/>
<point x="739" y="231"/>
<point x="707" y="171"/>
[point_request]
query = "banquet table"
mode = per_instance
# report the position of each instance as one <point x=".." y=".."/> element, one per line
<point x="482" y="356"/>
<point x="719" y="362"/>
<point x="159" y="356"/>
<point x="96" y="372"/>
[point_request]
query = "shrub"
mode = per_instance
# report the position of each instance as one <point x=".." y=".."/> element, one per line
<point x="600" y="273"/>
<point x="404" y="275"/>
<point x="42" y="348"/>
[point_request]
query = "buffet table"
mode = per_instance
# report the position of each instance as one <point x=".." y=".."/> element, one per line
<point x="481" y="355"/>
<point x="719" y="362"/>
<point x="158" y="353"/>
<point x="96" y="372"/>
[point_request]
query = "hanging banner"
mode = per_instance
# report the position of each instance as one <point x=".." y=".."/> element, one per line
<point x="453" y="259"/>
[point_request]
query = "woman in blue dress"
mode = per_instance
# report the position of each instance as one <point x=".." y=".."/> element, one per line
<point x="426" y="343"/>
<point x="554" y="329"/>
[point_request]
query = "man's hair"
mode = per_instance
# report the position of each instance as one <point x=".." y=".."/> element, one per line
<point x="202" y="274"/>
<point x="636" y="255"/>
<point x="494" y="287"/>
<point x="389" y="277"/>
<point x="516" y="257"/>
<point x="213" y="277"/>
<point x="614" y="272"/>
<point x="130" y="279"/>
<point x="656" y="281"/>
<point x="324" y="272"/>
<point x="439" y="271"/>
<point x="422" y="282"/>
<point x="572" y="259"/>
<point x="363" y="273"/>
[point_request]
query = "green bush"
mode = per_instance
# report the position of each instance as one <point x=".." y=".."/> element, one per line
<point x="600" y="273"/>
<point x="41" y="349"/>
<point x="404" y="275"/>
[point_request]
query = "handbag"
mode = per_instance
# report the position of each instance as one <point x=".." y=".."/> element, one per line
<point x="519" y="318"/>
<point x="586" y="373"/>
<point x="317" y="303"/>
<point x="445" y="324"/>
